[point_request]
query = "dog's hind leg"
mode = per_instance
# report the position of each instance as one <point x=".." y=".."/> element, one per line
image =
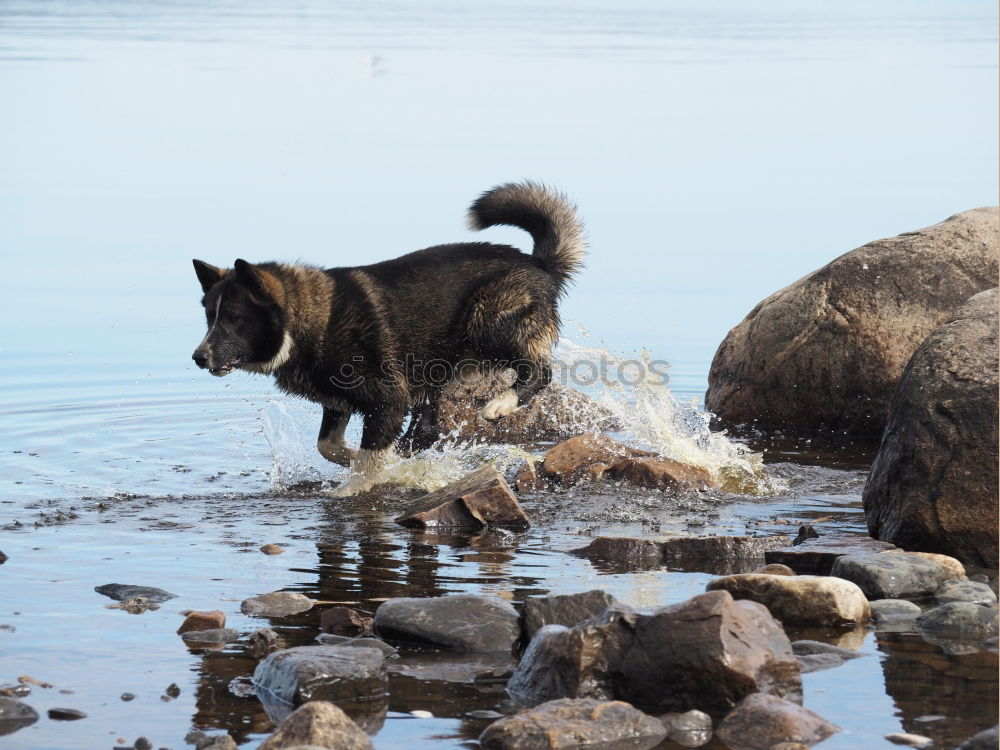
<point x="330" y="443"/>
<point x="423" y="430"/>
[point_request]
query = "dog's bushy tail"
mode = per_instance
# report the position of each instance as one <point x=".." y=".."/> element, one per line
<point x="546" y="214"/>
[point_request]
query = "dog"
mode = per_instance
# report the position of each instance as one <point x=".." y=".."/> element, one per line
<point x="383" y="340"/>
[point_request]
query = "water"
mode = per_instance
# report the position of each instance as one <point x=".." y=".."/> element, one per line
<point x="717" y="151"/>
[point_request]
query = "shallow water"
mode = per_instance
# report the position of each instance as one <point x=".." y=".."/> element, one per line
<point x="717" y="151"/>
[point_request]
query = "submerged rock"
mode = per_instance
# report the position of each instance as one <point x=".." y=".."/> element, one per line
<point x="894" y="611"/>
<point x="121" y="592"/>
<point x="276" y="604"/>
<point x="212" y="636"/>
<point x="708" y="652"/>
<point x="659" y="473"/>
<point x="15" y="715"/>
<point x="828" y="350"/>
<point x="891" y="575"/>
<point x="933" y="484"/>
<point x="565" y="609"/>
<point x="966" y="620"/>
<point x="482" y="498"/>
<point x="575" y="723"/>
<point x="460" y="622"/>
<point x="210" y="620"/>
<point x="988" y="739"/>
<point x="817" y="556"/>
<point x="319" y="724"/>
<point x="800" y="600"/>
<point x="760" y="721"/>
<point x="346" y="621"/>
<point x="328" y="639"/>
<point x="715" y="554"/>
<point x="328" y="673"/>
<point x="262" y="642"/>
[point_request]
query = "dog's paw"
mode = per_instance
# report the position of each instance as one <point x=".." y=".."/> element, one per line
<point x="337" y="452"/>
<point x="356" y="484"/>
<point x="500" y="406"/>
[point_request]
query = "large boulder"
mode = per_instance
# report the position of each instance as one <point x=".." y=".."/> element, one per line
<point x="800" y="600"/>
<point x="759" y="722"/>
<point x="708" y="652"/>
<point x="329" y="673"/>
<point x="933" y="484"/>
<point x="461" y="622"/>
<point x="828" y="350"/>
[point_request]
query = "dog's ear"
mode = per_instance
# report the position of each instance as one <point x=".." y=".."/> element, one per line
<point x="208" y="274"/>
<point x="263" y="285"/>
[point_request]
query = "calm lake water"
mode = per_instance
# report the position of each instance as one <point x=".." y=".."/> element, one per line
<point x="717" y="151"/>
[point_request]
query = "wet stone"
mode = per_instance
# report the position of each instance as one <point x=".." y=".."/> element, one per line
<point x="319" y="724"/>
<point x="14" y="715"/>
<point x="760" y="721"/>
<point x="886" y="611"/>
<point x="565" y="609"/>
<point x="271" y="549"/>
<point x="142" y="743"/>
<point x="459" y="622"/>
<point x="806" y="648"/>
<point x="172" y="691"/>
<point x="15" y="691"/>
<point x="276" y="604"/>
<point x="66" y="714"/>
<point x="328" y="639"/>
<point x="210" y="620"/>
<point x="909" y="740"/>
<point x="630" y="553"/>
<point x="214" y="636"/>
<point x="659" y="473"/>
<point x="586" y="457"/>
<point x="817" y="556"/>
<point x="571" y="723"/>
<point x="965" y="591"/>
<point x="690" y="729"/>
<point x="329" y="673"/>
<point x="121" y="592"/>
<point x="216" y="742"/>
<point x="806" y="532"/>
<point x="891" y="575"/>
<point x="719" y="554"/>
<point x="482" y="498"/>
<point x="346" y="621"/>
<point x="262" y="642"/>
<point x="800" y="599"/>
<point x="988" y="739"/>
<point x="965" y="620"/>
<point x="127" y="697"/>
<point x="775" y="569"/>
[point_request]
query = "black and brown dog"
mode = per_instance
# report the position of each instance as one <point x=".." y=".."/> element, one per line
<point x="383" y="340"/>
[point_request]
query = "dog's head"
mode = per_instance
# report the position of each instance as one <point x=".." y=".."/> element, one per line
<point x="245" y="312"/>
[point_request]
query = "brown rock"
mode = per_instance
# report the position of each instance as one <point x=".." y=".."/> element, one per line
<point x="276" y="604"/>
<point x="828" y="350"/>
<point x="529" y="479"/>
<point x="933" y="484"/>
<point x="775" y="569"/>
<point x="761" y="721"/>
<point x="346" y="621"/>
<point x="211" y="620"/>
<point x="707" y="652"/>
<point x="320" y="724"/>
<point x="565" y="609"/>
<point x="271" y="549"/>
<point x="623" y="553"/>
<point x="721" y="555"/>
<point x="306" y="673"/>
<point x="817" y="556"/>
<point x="575" y="723"/>
<point x="658" y="473"/>
<point x="586" y="457"/>
<point x="557" y="413"/>
<point x="800" y="600"/>
<point x="482" y="498"/>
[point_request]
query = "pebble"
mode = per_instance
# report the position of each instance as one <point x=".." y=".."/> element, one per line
<point x="15" y="691"/>
<point x="66" y="714"/>
<point x="271" y="549"/>
<point x="422" y="714"/>
<point x="911" y="740"/>
<point x="122" y="591"/>
<point x="483" y="715"/>
<point x="143" y="743"/>
<point x="128" y="697"/>
<point x="172" y="690"/>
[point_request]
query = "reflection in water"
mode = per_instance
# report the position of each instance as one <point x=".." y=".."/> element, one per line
<point x="924" y="681"/>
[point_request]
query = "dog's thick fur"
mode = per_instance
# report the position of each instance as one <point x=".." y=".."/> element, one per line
<point x="383" y="340"/>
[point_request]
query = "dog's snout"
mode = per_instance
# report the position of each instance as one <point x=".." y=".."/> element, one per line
<point x="200" y="358"/>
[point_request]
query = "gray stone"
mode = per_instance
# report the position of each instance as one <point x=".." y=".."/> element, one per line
<point x="908" y="739"/>
<point x="575" y="723"/>
<point x="565" y="609"/>
<point x="460" y="622"/>
<point x="67" y="714"/>
<point x="216" y="742"/>
<point x="276" y="604"/>
<point x="988" y="739"/>
<point x="894" y="611"/>
<point x="965" y="591"/>
<point x="212" y="636"/>
<point x="814" y="656"/>
<point x="14" y="715"/>
<point x="690" y="729"/>
<point x="817" y="556"/>
<point x="818" y="662"/>
<point x="318" y="724"/>
<point x="708" y="652"/>
<point x="329" y="673"/>
<point x="965" y="620"/>
<point x="328" y="639"/>
<point x="891" y="575"/>
<point x="121" y="592"/>
<point x="933" y="483"/>
<point x="828" y="350"/>
<point x="482" y="498"/>
<point x="760" y="721"/>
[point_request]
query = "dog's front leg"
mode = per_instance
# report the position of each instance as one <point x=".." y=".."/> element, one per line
<point x="377" y="440"/>
<point x="331" y="444"/>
